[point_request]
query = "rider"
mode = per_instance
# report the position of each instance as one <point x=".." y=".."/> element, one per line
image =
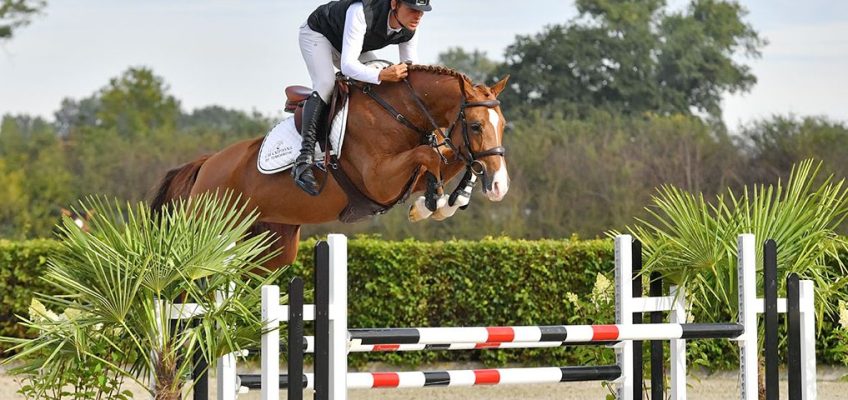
<point x="345" y="33"/>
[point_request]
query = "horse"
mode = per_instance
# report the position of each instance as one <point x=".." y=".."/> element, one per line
<point x="401" y="138"/>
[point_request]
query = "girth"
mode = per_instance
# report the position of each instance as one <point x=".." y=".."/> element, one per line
<point x="359" y="206"/>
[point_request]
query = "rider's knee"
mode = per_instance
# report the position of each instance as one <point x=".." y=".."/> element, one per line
<point x="324" y="90"/>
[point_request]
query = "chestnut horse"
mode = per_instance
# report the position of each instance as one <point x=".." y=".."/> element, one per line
<point x="395" y="144"/>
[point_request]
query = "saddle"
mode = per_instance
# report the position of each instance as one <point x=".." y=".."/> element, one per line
<point x="296" y="97"/>
<point x="359" y="205"/>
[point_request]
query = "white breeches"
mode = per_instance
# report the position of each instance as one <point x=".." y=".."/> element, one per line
<point x="322" y="60"/>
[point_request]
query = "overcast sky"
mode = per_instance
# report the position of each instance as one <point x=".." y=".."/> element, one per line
<point x="242" y="53"/>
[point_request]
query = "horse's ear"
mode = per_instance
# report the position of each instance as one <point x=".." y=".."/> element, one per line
<point x="500" y="86"/>
<point x="467" y="86"/>
<point x="66" y="212"/>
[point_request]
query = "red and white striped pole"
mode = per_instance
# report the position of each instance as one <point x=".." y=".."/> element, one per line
<point x="534" y="334"/>
<point x="457" y="378"/>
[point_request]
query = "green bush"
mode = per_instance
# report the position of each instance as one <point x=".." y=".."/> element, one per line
<point x="104" y="322"/>
<point x="495" y="281"/>
<point x="22" y="264"/>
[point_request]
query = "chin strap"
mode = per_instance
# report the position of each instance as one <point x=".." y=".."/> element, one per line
<point x="395" y="14"/>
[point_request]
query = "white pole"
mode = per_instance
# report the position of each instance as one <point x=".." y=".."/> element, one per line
<point x="154" y="358"/>
<point x="226" y="378"/>
<point x="338" y="317"/>
<point x="747" y="266"/>
<point x="808" y="340"/>
<point x="271" y="343"/>
<point x="677" y="347"/>
<point x="624" y="312"/>
<point x="226" y="371"/>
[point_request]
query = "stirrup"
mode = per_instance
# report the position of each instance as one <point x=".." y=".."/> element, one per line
<point x="322" y="165"/>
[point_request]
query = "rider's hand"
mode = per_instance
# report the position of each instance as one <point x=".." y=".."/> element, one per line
<point x="395" y="73"/>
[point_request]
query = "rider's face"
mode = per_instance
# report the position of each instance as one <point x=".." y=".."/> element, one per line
<point x="409" y="16"/>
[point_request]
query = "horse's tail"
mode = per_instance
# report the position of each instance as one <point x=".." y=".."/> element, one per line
<point x="177" y="184"/>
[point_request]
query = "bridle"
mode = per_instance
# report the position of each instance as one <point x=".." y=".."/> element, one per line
<point x="471" y="158"/>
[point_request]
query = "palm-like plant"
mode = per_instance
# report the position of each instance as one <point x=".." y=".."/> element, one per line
<point x="693" y="242"/>
<point x="118" y="280"/>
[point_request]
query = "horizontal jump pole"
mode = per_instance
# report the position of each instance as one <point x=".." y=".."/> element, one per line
<point x="309" y="346"/>
<point x="456" y="378"/>
<point x="533" y="334"/>
<point x="376" y="348"/>
<point x="640" y="304"/>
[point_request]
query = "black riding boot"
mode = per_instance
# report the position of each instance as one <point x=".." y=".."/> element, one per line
<point x="313" y="110"/>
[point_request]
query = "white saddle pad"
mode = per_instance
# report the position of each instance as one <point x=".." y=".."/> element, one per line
<point x="282" y="145"/>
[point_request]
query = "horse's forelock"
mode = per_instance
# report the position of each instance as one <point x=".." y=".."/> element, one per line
<point x="486" y="91"/>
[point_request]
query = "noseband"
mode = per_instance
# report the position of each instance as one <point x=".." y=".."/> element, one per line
<point x="472" y="159"/>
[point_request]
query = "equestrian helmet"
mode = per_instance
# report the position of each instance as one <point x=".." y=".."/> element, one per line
<point x="420" y="5"/>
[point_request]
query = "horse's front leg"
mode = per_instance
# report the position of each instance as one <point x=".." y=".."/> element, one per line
<point x="388" y="178"/>
<point x="460" y="198"/>
<point x="433" y="200"/>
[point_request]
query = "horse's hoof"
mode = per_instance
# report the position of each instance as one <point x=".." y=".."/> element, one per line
<point x="440" y="215"/>
<point x="418" y="212"/>
<point x="444" y="211"/>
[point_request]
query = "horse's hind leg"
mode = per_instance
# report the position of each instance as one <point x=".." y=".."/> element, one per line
<point x="286" y="239"/>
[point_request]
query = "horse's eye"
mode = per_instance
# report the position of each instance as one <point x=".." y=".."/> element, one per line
<point x="477" y="127"/>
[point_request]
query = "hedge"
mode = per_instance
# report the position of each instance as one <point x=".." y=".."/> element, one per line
<point x="494" y="281"/>
<point x="22" y="264"/>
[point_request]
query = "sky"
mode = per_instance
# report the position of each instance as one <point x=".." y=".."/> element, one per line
<point x="242" y="53"/>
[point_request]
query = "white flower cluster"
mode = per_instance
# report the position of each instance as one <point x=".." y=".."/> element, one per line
<point x="573" y="299"/>
<point x="602" y="291"/>
<point x="39" y="313"/>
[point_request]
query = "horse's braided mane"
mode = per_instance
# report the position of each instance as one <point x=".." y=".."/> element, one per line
<point x="439" y="70"/>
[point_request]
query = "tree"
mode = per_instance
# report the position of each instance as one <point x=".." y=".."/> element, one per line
<point x="121" y="135"/>
<point x="74" y="114"/>
<point x="35" y="182"/>
<point x="475" y="64"/>
<point x="13" y="199"/>
<point x="137" y="103"/>
<point x="15" y="14"/>
<point x="224" y="122"/>
<point x="634" y="56"/>
<point x="775" y="144"/>
<point x="695" y="56"/>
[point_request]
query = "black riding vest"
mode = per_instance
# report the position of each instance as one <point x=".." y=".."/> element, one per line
<point x="329" y="20"/>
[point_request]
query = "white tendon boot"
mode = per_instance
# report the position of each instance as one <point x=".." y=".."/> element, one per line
<point x="418" y="211"/>
<point x="462" y="200"/>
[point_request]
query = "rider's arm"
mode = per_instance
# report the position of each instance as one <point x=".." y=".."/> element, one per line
<point x="354" y="38"/>
<point x="409" y="50"/>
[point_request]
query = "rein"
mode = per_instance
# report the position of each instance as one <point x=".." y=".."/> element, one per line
<point x="471" y="158"/>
